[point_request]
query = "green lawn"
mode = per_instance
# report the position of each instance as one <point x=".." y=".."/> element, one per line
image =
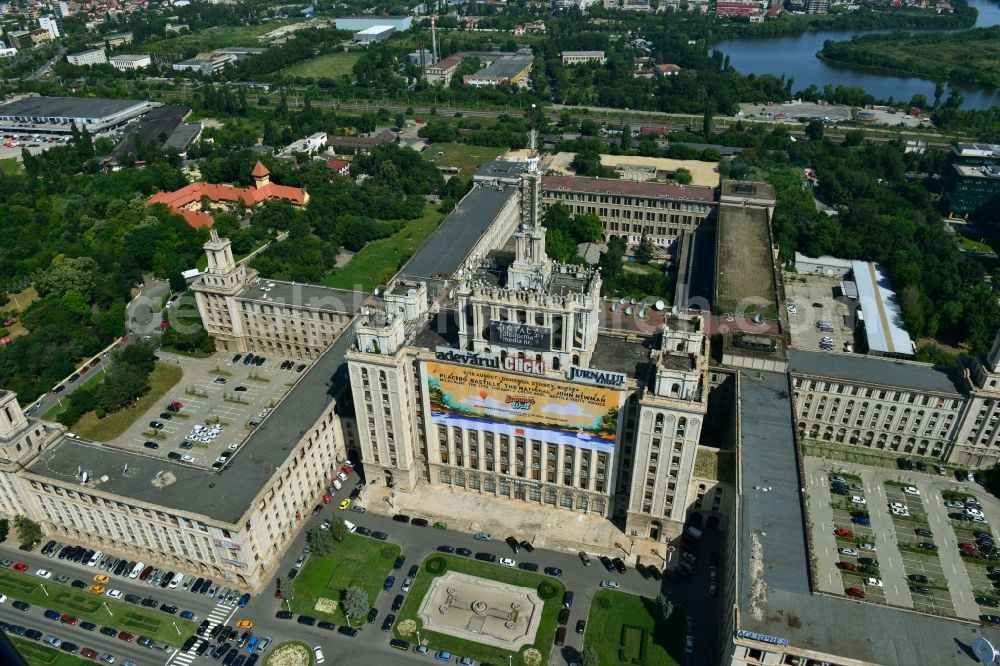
<point x="161" y="380"/>
<point x="9" y="166"/>
<point x="329" y="65"/>
<point x="88" y="606"/>
<point x="967" y="243"/>
<point x="380" y="259"/>
<point x="466" y="157"/>
<point x="357" y="560"/>
<point x="217" y="37"/>
<point x="478" y="651"/>
<point x="42" y="655"/>
<point x="626" y="631"/>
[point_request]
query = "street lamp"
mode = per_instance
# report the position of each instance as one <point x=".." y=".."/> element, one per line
<point x="42" y="585"/>
<point x="105" y="604"/>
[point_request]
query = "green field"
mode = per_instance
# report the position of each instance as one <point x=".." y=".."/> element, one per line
<point x="466" y="157"/>
<point x="626" y="632"/>
<point x="380" y="259"/>
<point x="42" y="655"/>
<point x="330" y="65"/>
<point x="161" y="380"/>
<point x="217" y="37"/>
<point x="357" y="560"/>
<point x="88" y="606"/>
<point x="478" y="651"/>
<point x="9" y="166"/>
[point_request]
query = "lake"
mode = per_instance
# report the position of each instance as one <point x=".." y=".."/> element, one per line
<point x="795" y="57"/>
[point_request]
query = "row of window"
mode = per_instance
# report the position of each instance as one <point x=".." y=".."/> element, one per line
<point x="637" y="202"/>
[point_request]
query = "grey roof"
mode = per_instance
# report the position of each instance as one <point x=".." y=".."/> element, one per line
<point x="235" y="486"/>
<point x="68" y="107"/>
<point x="503" y="170"/>
<point x="833" y="625"/>
<point x="298" y="294"/>
<point x="182" y="136"/>
<point x="884" y="326"/>
<point x="873" y="370"/>
<point x="504" y="68"/>
<point x="450" y="244"/>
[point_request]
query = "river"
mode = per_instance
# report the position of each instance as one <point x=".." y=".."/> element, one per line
<point x="795" y="57"/>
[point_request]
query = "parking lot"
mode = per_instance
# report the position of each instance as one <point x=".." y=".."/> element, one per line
<point x="917" y="546"/>
<point x="815" y="298"/>
<point x="221" y="401"/>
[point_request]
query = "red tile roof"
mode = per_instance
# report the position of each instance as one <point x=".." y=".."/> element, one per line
<point x="192" y="193"/>
<point x="627" y="187"/>
<point x="259" y="170"/>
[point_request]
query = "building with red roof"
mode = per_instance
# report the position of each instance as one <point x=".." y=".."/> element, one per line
<point x="187" y="201"/>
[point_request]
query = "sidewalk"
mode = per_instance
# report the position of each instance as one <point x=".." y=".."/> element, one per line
<point x="544" y="526"/>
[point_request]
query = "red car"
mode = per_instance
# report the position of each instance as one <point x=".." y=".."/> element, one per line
<point x="20" y="566"/>
<point x="847" y="566"/>
<point x="561" y="636"/>
<point x="68" y="619"/>
<point x="347" y="469"/>
<point x="89" y="653"/>
<point x="843" y="532"/>
<point x="326" y="499"/>
<point x="177" y="405"/>
<point x="125" y="636"/>
<point x="94" y="361"/>
<point x="124" y="339"/>
<point x="84" y="369"/>
<point x="856" y="593"/>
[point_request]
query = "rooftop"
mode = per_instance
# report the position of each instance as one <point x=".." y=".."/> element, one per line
<point x="773" y="518"/>
<point x="503" y="68"/>
<point x="505" y="170"/>
<point x="181" y="487"/>
<point x="303" y="295"/>
<point x="871" y="369"/>
<point x="449" y="245"/>
<point x="68" y="107"/>
<point x="629" y="355"/>
<point x="615" y="186"/>
<point x="989" y="171"/>
<point x="884" y="327"/>
<point x="976" y="149"/>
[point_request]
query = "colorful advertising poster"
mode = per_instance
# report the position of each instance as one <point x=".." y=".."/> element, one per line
<point x="521" y="406"/>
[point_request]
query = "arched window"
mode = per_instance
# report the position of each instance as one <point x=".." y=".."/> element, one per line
<point x="550" y="496"/>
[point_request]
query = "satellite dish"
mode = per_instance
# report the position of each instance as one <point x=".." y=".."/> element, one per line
<point x="659" y="305"/>
<point x="984" y="650"/>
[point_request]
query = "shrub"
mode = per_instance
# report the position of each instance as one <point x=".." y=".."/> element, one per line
<point x="388" y="552"/>
<point x="531" y="657"/>
<point x="546" y="590"/>
<point x="406" y="628"/>
<point x="436" y="565"/>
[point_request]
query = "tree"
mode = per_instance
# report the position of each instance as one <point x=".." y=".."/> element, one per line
<point x="644" y="253"/>
<point x="683" y="176"/>
<point x="814" y="130"/>
<point x="588" y="657"/>
<point x="626" y="136"/>
<point x="28" y="532"/>
<point x="664" y="607"/>
<point x="706" y="119"/>
<point x="355" y="602"/>
<point x="321" y="541"/>
<point x="338" y="530"/>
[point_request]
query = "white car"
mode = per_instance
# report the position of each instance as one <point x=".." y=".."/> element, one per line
<point x="114" y="594"/>
<point x="407" y="584"/>
<point x="866" y="546"/>
<point x="873" y="582"/>
<point x="3" y="598"/>
<point x="609" y="584"/>
<point x="896" y="505"/>
<point x="43" y="573"/>
<point x="954" y="504"/>
<point x="903" y="513"/>
<point x="187" y="458"/>
<point x="857" y="499"/>
<point x="850" y="552"/>
<point x="318" y="651"/>
<point x="792" y="309"/>
<point x="911" y="490"/>
<point x="341" y="476"/>
<point x="507" y="562"/>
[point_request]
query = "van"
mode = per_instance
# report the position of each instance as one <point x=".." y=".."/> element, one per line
<point x="351" y="527"/>
<point x="95" y="558"/>
<point x="176" y="580"/>
<point x="136" y="570"/>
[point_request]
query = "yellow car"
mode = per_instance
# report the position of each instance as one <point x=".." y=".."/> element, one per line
<point x="97" y="589"/>
<point x="100" y="578"/>
<point x="344" y="503"/>
<point x="244" y="624"/>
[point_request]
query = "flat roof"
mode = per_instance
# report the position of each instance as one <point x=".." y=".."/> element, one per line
<point x="874" y="370"/>
<point x="506" y="170"/>
<point x="68" y="107"/>
<point x="824" y="260"/>
<point x="449" y="245"/>
<point x="884" y="326"/>
<point x="376" y="30"/>
<point x="182" y="487"/>
<point x="298" y="294"/>
<point x="988" y="171"/>
<point x="772" y="549"/>
<point x="615" y="186"/>
<point x="503" y="68"/>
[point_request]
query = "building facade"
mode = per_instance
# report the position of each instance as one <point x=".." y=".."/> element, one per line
<point x="87" y="58"/>
<point x="655" y="212"/>
<point x="130" y="62"/>
<point x="579" y="57"/>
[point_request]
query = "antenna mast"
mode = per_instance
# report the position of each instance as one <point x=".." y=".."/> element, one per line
<point x="532" y="139"/>
<point x="434" y="43"/>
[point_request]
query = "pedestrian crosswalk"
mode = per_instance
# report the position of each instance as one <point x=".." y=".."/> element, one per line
<point x="221" y="614"/>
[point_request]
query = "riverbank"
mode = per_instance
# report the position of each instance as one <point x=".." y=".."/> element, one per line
<point x="970" y="57"/>
<point x="965" y="16"/>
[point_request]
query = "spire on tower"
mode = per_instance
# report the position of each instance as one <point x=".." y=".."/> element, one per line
<point x="532" y="137"/>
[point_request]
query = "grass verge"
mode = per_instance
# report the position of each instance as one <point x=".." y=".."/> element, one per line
<point x="88" y="606"/>
<point x="356" y="560"/>
<point x="624" y="630"/>
<point x="9" y="166"/>
<point x="42" y="655"/>
<point x="329" y="65"/>
<point x="162" y="379"/>
<point x="379" y="260"/>
<point x="479" y="651"/>
<point x="465" y="156"/>
<point x="55" y="410"/>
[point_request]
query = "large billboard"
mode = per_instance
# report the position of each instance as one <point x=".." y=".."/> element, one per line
<point x="523" y="406"/>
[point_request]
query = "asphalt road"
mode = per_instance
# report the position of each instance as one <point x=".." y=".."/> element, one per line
<point x="371" y="645"/>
